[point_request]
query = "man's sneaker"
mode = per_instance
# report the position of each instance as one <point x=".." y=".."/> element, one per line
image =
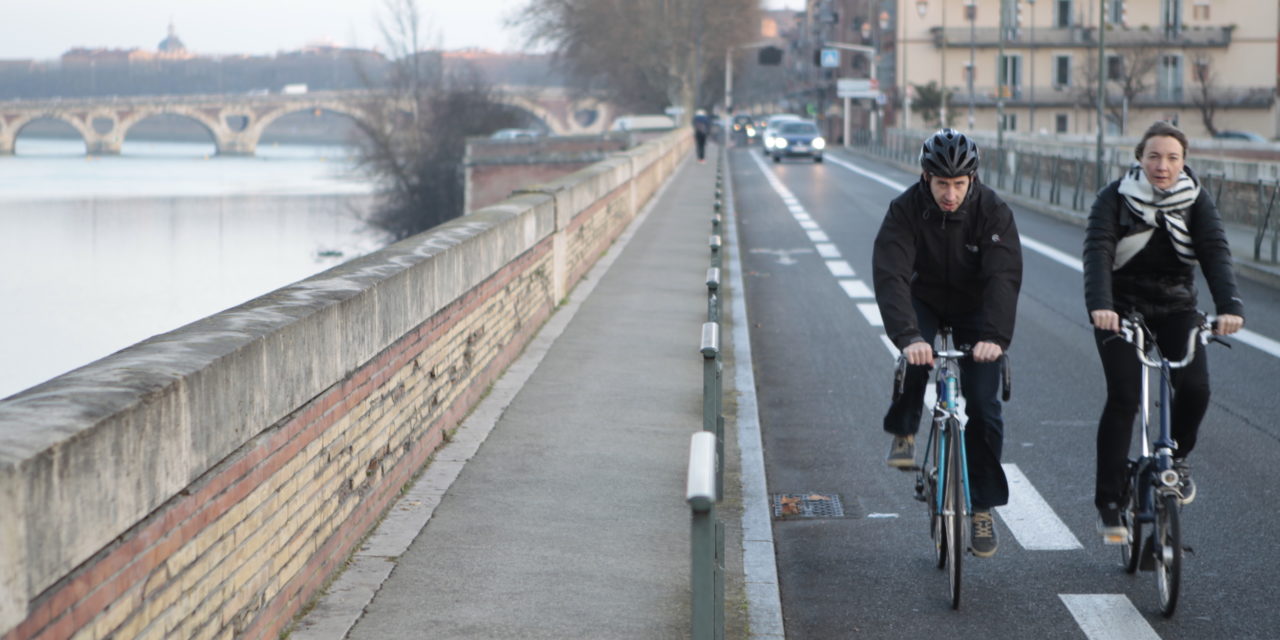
<point x="983" y="541"/>
<point x="902" y="452"/>
<point x="1110" y="526"/>
<point x="1186" y="486"/>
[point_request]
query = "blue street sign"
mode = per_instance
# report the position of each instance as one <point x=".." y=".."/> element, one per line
<point x="831" y="58"/>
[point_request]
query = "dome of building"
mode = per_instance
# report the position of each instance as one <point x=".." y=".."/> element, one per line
<point x="171" y="43"/>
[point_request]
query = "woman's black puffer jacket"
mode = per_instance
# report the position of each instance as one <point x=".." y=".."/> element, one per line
<point x="1155" y="282"/>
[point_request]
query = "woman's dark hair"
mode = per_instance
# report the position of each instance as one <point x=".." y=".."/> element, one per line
<point x="1161" y="128"/>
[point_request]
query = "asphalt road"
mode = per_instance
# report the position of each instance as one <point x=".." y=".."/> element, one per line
<point x="823" y="375"/>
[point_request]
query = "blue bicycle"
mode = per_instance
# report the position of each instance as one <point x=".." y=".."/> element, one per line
<point x="1153" y="496"/>
<point x="950" y="507"/>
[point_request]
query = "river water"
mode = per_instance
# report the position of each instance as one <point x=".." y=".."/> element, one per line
<point x="98" y="253"/>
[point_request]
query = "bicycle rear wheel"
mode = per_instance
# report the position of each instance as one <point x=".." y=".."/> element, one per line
<point x="954" y="512"/>
<point x="1168" y="540"/>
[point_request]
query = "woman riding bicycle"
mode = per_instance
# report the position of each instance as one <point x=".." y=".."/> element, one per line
<point x="1146" y="233"/>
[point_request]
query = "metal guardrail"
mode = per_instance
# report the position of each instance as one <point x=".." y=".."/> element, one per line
<point x="706" y="455"/>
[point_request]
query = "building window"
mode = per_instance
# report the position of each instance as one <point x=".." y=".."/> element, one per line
<point x="1062" y="14"/>
<point x="1169" y="78"/>
<point x="1062" y="71"/>
<point x="1115" y="68"/>
<point x="1010" y="122"/>
<point x="1171" y="17"/>
<point x="1200" y="11"/>
<point x="1011" y="76"/>
<point x="1115" y="12"/>
<point x="1060" y="123"/>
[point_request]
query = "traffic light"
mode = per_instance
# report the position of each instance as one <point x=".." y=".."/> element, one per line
<point x="770" y="56"/>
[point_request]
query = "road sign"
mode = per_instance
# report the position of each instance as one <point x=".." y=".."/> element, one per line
<point x="831" y="58"/>
<point x="857" y="88"/>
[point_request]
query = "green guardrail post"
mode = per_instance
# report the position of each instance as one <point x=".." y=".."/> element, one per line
<point x="711" y="385"/>
<point x="715" y="250"/>
<point x="713" y="294"/>
<point x="706" y="537"/>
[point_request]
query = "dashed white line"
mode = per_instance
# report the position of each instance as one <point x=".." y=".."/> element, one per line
<point x="857" y="289"/>
<point x="827" y="250"/>
<point x="871" y="311"/>
<point x="1030" y="518"/>
<point x="1108" y="617"/>
<point x="819" y="236"/>
<point x="840" y="268"/>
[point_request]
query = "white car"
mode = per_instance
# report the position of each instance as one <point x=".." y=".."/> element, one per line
<point x="771" y="128"/>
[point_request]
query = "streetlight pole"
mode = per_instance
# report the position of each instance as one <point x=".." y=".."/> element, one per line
<point x="971" y="12"/>
<point x="1102" y="89"/>
<point x="1032" y="117"/>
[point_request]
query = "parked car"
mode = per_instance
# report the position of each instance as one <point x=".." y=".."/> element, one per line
<point x="770" y="128"/>
<point x="653" y="122"/>
<point x="793" y="138"/>
<point x="515" y="134"/>
<point x="1228" y="134"/>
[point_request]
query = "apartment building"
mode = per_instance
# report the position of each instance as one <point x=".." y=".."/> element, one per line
<point x="1204" y="64"/>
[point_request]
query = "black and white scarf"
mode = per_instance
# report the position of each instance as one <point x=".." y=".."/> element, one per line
<point x="1158" y="208"/>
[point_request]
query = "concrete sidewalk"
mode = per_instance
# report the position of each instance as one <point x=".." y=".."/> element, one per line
<point x="557" y="510"/>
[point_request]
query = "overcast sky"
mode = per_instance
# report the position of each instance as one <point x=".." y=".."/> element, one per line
<point x="45" y="29"/>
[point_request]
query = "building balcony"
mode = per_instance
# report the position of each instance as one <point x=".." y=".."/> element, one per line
<point x="1081" y="37"/>
<point x="1067" y="96"/>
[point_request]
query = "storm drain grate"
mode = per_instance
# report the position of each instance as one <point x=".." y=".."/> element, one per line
<point x="806" y="505"/>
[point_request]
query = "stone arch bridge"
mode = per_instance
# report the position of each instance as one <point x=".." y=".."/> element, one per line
<point x="236" y="122"/>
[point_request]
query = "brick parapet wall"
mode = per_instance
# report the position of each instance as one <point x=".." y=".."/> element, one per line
<point x="208" y="482"/>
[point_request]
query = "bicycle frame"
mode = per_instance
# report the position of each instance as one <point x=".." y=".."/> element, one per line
<point x="947" y="407"/>
<point x="1153" y="483"/>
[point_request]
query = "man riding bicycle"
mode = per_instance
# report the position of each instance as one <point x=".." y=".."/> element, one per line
<point x="948" y="254"/>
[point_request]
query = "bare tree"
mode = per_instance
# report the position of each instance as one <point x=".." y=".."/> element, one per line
<point x="1130" y="71"/>
<point x="1207" y="97"/>
<point x="414" y="139"/>
<point x="645" y="54"/>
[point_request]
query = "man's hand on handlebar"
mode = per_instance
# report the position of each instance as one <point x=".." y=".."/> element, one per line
<point x="919" y="353"/>
<point x="1227" y="324"/>
<point x="1105" y="319"/>
<point x="987" y="352"/>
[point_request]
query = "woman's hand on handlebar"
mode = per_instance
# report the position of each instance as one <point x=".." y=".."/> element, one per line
<point x="1105" y="319"/>
<point x="987" y="352"/>
<point x="1227" y="324"/>
<point x="919" y="353"/>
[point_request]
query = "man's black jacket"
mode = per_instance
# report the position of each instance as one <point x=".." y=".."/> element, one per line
<point x="955" y="263"/>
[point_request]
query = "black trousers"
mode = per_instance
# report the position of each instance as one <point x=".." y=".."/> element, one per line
<point x="1124" y="374"/>
<point x="700" y="140"/>
<point x="980" y="386"/>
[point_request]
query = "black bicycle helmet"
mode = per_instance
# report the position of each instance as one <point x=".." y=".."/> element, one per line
<point x="949" y="154"/>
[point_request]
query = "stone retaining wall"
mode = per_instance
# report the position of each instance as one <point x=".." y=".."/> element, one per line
<point x="206" y="483"/>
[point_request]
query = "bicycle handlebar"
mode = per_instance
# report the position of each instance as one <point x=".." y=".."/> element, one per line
<point x="1133" y="330"/>
<point x="1006" y="372"/>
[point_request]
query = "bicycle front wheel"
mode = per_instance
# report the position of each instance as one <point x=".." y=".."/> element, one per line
<point x="1131" y="552"/>
<point x="1168" y="552"/>
<point x="936" y="529"/>
<point x="954" y="510"/>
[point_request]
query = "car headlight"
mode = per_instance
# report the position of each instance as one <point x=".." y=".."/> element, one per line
<point x="751" y="131"/>
<point x="780" y="143"/>
<point x="819" y="143"/>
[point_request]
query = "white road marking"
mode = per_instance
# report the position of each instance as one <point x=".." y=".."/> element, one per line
<point x="808" y="225"/>
<point x="1030" y="518"/>
<point x="827" y="250"/>
<point x="819" y="236"/>
<point x="857" y="289"/>
<point x="1108" y="617"/>
<point x="893" y="349"/>
<point x="871" y="311"/>
<point x="840" y="268"/>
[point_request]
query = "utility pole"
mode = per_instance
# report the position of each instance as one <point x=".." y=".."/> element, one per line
<point x="1002" y="81"/>
<point x="1102" y="88"/>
